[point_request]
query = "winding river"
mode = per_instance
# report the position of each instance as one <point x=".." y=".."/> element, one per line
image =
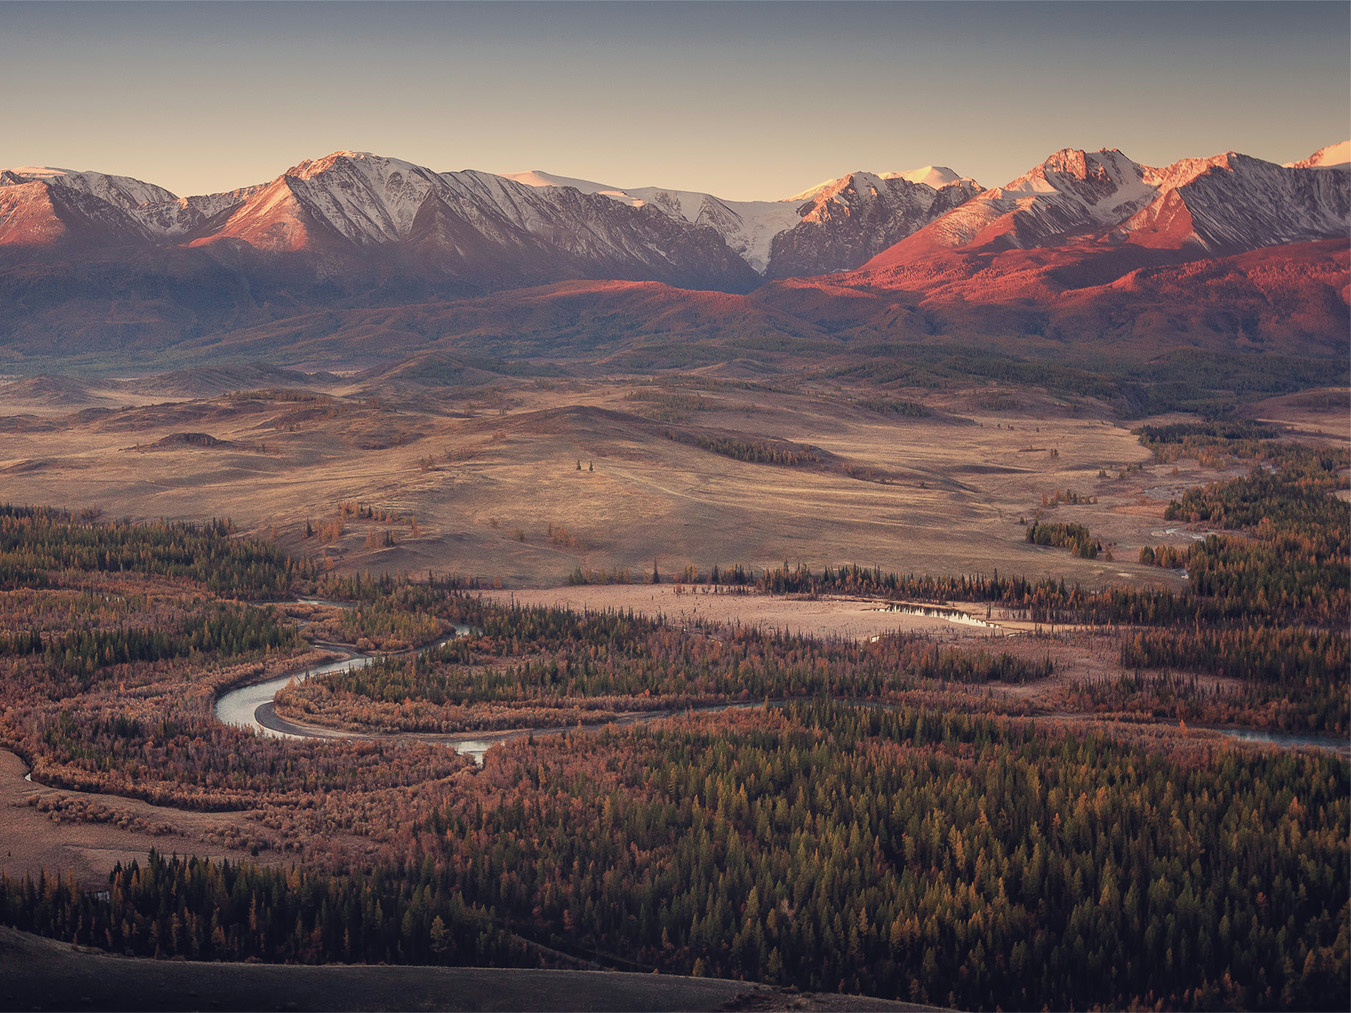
<point x="253" y="706"/>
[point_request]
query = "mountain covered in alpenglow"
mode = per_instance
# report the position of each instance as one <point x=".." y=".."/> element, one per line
<point x="1228" y="202"/>
<point x="486" y="229"/>
<point x="93" y="257"/>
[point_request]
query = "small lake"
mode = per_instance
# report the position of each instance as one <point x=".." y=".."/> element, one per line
<point x="946" y="613"/>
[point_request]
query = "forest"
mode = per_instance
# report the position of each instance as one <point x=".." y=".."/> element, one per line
<point x="563" y="668"/>
<point x="965" y="861"/>
<point x="891" y="816"/>
<point x="1075" y="537"/>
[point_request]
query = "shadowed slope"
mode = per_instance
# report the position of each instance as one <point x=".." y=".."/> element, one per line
<point x="38" y="973"/>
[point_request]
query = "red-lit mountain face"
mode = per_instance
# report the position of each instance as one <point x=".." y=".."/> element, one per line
<point x="1085" y="245"/>
<point x="1094" y="244"/>
<point x="1108" y="215"/>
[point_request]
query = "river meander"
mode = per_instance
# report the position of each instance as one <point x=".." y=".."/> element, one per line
<point x="253" y="706"/>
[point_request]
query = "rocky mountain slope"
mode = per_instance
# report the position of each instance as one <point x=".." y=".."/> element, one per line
<point x="1223" y="204"/>
<point x="351" y="216"/>
<point x="849" y="220"/>
<point x="100" y="265"/>
<point x="748" y="227"/>
<point x="833" y="226"/>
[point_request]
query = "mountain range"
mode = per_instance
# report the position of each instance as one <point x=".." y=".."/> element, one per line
<point x="88" y="257"/>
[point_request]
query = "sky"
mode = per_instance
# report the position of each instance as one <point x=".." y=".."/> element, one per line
<point x="744" y="100"/>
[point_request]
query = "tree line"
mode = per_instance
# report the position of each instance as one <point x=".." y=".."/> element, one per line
<point x="783" y="452"/>
<point x="39" y="544"/>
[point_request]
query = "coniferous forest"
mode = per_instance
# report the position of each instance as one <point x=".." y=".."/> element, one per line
<point x="886" y="817"/>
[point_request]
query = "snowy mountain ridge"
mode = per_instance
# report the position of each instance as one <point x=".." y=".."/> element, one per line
<point x="936" y="176"/>
<point x="371" y="200"/>
<point x="1224" y="202"/>
<point x="751" y="228"/>
<point x="121" y="191"/>
<point x="482" y="229"/>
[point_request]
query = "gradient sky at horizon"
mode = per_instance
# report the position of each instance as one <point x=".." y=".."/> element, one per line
<point x="745" y="100"/>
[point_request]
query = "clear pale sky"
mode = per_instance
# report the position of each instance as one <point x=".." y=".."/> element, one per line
<point x="745" y="100"/>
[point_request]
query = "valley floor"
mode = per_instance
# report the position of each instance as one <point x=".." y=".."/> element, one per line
<point x="526" y="485"/>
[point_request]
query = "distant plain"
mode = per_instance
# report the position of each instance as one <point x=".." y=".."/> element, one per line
<point x="524" y="481"/>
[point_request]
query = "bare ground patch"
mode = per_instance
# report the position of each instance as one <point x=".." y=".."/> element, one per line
<point x="58" y="829"/>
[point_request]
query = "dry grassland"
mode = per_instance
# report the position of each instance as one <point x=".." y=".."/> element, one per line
<point x="1312" y="415"/>
<point x="485" y="482"/>
<point x="827" y="616"/>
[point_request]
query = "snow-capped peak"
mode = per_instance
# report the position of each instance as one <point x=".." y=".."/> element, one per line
<point x="121" y="191"/>
<point x="829" y="188"/>
<point x="311" y="167"/>
<point x="930" y="175"/>
<point x="1072" y="191"/>
<point x="935" y="176"/>
<point x="1184" y="170"/>
<point x="812" y="191"/>
<point x="540" y="178"/>
<point x="366" y="197"/>
<point x="859" y="182"/>
<point x="1325" y="158"/>
<point x="1089" y="177"/>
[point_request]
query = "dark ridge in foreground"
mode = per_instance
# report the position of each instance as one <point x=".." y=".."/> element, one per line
<point x="42" y="974"/>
